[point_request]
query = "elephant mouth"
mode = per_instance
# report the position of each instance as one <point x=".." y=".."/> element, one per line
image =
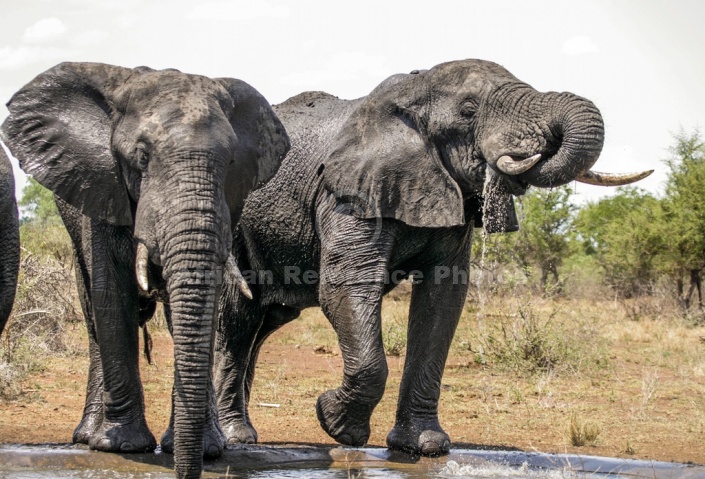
<point x="142" y="263"/>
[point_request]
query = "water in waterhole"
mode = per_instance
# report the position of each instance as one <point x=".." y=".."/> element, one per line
<point x="451" y="470"/>
<point x="59" y="461"/>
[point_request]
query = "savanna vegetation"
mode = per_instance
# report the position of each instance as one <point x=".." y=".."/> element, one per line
<point x="583" y="332"/>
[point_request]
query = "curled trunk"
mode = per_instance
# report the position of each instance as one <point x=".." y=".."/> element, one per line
<point x="578" y="129"/>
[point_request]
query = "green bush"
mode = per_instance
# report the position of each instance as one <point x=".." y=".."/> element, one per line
<point x="529" y="339"/>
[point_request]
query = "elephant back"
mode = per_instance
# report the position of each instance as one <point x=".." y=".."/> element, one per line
<point x="277" y="218"/>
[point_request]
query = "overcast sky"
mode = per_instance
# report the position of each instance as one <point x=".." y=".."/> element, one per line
<point x="641" y="62"/>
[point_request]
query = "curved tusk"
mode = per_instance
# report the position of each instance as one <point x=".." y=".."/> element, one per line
<point x="509" y="166"/>
<point x="611" y="179"/>
<point x="233" y="271"/>
<point x="141" y="265"/>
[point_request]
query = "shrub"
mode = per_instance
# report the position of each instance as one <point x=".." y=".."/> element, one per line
<point x="581" y="433"/>
<point x="46" y="306"/>
<point x="533" y="340"/>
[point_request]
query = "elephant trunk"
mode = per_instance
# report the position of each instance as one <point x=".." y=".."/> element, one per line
<point x="577" y="127"/>
<point x="194" y="243"/>
<point x="193" y="289"/>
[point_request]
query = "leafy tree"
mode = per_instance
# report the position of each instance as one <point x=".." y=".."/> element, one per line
<point x="593" y="219"/>
<point x="542" y="242"/>
<point x="685" y="214"/>
<point x="42" y="233"/>
<point x="37" y="204"/>
<point x="624" y="235"/>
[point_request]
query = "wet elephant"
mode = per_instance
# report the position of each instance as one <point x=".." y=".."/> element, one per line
<point x="150" y="170"/>
<point x="383" y="188"/>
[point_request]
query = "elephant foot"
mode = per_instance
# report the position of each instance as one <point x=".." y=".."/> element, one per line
<point x="425" y="438"/>
<point x="88" y="426"/>
<point x="240" y="432"/>
<point x="214" y="441"/>
<point x="119" y="437"/>
<point x="345" y="424"/>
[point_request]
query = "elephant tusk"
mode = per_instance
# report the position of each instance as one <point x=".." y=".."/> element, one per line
<point x="234" y="272"/>
<point x="611" y="179"/>
<point x="509" y="166"/>
<point x="141" y="265"/>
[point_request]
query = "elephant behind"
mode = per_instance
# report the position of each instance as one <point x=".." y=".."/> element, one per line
<point x="150" y="170"/>
<point x="9" y="240"/>
<point x="381" y="189"/>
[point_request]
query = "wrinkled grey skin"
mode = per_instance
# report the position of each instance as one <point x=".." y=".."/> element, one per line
<point x="164" y="159"/>
<point x="9" y="240"/>
<point x="392" y="182"/>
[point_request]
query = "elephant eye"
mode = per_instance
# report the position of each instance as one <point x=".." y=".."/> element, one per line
<point x="468" y="108"/>
<point x="142" y="157"/>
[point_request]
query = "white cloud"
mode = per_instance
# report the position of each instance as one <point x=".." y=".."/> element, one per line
<point x="91" y="37"/>
<point x="240" y="11"/>
<point x="44" y="30"/>
<point x="341" y="67"/>
<point x="579" y="45"/>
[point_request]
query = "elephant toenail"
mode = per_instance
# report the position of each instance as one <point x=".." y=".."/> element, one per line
<point x="213" y="451"/>
<point x="430" y="449"/>
<point x="127" y="446"/>
<point x="103" y="444"/>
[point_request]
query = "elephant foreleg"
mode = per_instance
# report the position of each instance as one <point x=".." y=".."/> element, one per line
<point x="109" y="257"/>
<point x="436" y="306"/>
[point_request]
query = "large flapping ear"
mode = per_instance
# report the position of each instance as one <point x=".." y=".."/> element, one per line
<point x="60" y="128"/>
<point x="384" y="165"/>
<point x="261" y="136"/>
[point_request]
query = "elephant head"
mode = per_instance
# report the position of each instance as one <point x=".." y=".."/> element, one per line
<point x="172" y="156"/>
<point x="435" y="148"/>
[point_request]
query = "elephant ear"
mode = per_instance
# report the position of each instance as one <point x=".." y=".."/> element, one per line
<point x="384" y="165"/>
<point x="262" y="139"/>
<point x="60" y="128"/>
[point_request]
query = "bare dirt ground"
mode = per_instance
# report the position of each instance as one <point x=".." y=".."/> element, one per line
<point x="648" y="404"/>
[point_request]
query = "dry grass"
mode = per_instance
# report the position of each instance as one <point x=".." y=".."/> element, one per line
<point x="43" y="323"/>
<point x="582" y="433"/>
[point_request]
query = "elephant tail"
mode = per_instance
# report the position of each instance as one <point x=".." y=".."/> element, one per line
<point x="147" y="343"/>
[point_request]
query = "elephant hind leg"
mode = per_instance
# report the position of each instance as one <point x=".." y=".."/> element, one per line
<point x="354" y="259"/>
<point x="92" y="417"/>
<point x="235" y="384"/>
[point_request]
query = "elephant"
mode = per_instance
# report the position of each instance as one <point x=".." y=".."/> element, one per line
<point x="149" y="169"/>
<point x="385" y="188"/>
<point x="9" y="240"/>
